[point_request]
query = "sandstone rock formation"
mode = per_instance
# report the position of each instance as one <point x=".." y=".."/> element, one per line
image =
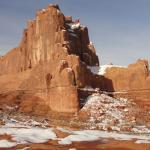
<point x="50" y="69"/>
<point x="48" y="37"/>
<point x="132" y="82"/>
<point x="49" y="65"/>
<point x="135" y="76"/>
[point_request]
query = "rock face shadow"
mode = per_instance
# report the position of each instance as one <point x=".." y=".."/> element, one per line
<point x="100" y="84"/>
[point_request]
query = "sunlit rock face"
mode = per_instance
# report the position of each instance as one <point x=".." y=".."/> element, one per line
<point x="133" y="81"/>
<point x="49" y="64"/>
<point x="135" y="76"/>
<point x="49" y="37"/>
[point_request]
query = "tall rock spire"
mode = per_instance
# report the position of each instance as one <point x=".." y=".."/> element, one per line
<point x="49" y="37"/>
<point x="50" y="62"/>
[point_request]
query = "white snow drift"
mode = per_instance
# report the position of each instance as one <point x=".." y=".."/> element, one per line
<point x="21" y="135"/>
<point x="101" y="70"/>
<point x="92" y="135"/>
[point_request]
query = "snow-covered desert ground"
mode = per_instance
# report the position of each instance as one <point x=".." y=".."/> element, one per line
<point x="31" y="131"/>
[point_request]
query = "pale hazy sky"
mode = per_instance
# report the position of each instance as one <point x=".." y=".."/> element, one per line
<point x="119" y="29"/>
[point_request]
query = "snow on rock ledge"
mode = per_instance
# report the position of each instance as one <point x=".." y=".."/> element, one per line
<point x="94" y="69"/>
<point x="102" y="69"/>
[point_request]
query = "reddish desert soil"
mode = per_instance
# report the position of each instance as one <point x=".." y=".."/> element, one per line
<point x="96" y="145"/>
<point x="104" y="144"/>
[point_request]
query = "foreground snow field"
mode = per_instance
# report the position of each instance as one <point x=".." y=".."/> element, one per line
<point x="21" y="134"/>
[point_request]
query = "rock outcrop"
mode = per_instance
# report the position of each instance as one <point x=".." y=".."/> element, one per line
<point x="135" y="76"/>
<point x="51" y="69"/>
<point x="49" y="65"/>
<point x="49" y="37"/>
<point x="132" y="82"/>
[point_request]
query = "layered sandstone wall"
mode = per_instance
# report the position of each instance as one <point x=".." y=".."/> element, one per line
<point x="49" y="37"/>
<point x="132" y="82"/>
<point x="50" y="64"/>
<point x="135" y="76"/>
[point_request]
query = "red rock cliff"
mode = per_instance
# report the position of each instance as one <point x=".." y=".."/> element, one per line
<point x="135" y="76"/>
<point x="49" y="37"/>
<point x="49" y="64"/>
<point x="133" y="80"/>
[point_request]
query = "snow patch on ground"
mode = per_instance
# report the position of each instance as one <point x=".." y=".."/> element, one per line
<point x="107" y="113"/>
<point x="92" y="135"/>
<point x="141" y="129"/>
<point x="24" y="124"/>
<point x="7" y="144"/>
<point x="143" y="142"/>
<point x="78" y="138"/>
<point x="29" y="135"/>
